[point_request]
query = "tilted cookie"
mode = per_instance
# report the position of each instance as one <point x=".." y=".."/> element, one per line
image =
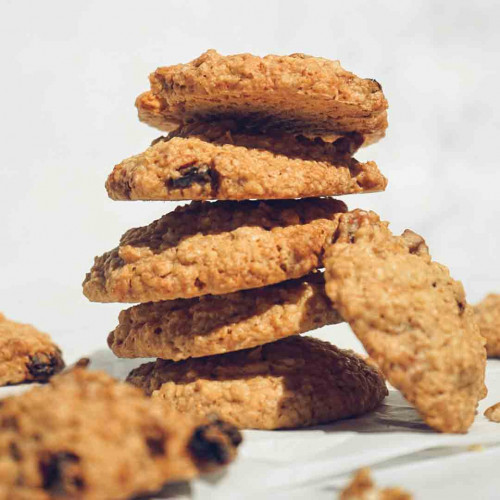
<point x="487" y="315"/>
<point x="300" y="94"/>
<point x="207" y="161"/>
<point x="411" y="317"/>
<point x="214" y="324"/>
<point x="86" y="435"/>
<point x="215" y="248"/>
<point x="26" y="354"/>
<point x="293" y="382"/>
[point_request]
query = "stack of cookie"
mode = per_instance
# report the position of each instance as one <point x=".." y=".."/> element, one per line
<point x="226" y="287"/>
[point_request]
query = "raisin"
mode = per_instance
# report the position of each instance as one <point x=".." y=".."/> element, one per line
<point x="229" y="430"/>
<point x="156" y="445"/>
<point x="376" y="83"/>
<point x="42" y="366"/>
<point x="193" y="174"/>
<point x="207" y="447"/>
<point x="15" y="452"/>
<point x="58" y="473"/>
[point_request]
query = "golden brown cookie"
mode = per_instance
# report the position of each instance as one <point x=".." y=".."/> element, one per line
<point x="215" y="324"/>
<point x="362" y="487"/>
<point x="215" y="248"/>
<point x="207" y="161"/>
<point x="411" y="317"/>
<point x="26" y="354"/>
<point x="293" y="382"/>
<point x="493" y="413"/>
<point x="85" y="435"/>
<point x="488" y="318"/>
<point x="300" y="94"/>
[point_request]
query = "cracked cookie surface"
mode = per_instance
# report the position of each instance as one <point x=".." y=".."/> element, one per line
<point x="411" y="316"/>
<point x="293" y="382"/>
<point x="86" y="435"/>
<point x="215" y="324"/>
<point x="26" y="354"/>
<point x="215" y="248"/>
<point x="300" y="94"/>
<point x="208" y="161"/>
<point x="487" y="314"/>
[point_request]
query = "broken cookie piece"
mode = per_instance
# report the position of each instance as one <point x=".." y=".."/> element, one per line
<point x="411" y="316"/>
<point x="493" y="413"/>
<point x="362" y="487"/>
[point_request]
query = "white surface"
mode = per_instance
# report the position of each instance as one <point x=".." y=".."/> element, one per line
<point x="70" y="74"/>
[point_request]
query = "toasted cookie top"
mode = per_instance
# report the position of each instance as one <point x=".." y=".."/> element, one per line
<point x="411" y="316"/>
<point x="26" y="354"/>
<point x="215" y="248"/>
<point x="300" y="94"/>
<point x="212" y="161"/>
<point x="293" y="382"/>
<point x="215" y="324"/>
<point x="85" y="435"/>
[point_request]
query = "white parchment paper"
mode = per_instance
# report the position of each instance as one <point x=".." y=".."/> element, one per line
<point x="316" y="463"/>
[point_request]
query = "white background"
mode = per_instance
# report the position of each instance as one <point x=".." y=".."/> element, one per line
<point x="71" y="71"/>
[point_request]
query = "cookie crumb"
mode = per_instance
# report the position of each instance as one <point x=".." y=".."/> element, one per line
<point x="362" y="487"/>
<point x="493" y="413"/>
<point x="475" y="447"/>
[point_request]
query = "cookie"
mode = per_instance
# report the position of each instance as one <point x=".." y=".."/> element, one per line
<point x="215" y="248"/>
<point x="411" y="317"/>
<point x="299" y="94"/>
<point x="203" y="162"/>
<point x="488" y="318"/>
<point x="493" y="413"/>
<point x="293" y="382"/>
<point x="26" y="355"/>
<point x="362" y="487"/>
<point x="86" y="435"/>
<point x="215" y="324"/>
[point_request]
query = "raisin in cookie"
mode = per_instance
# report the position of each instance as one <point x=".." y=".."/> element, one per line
<point x="85" y="435"/>
<point x="488" y="318"/>
<point x="293" y="382"/>
<point x="207" y="161"/>
<point x="411" y="317"/>
<point x="215" y="324"/>
<point x="299" y="94"/>
<point x="215" y="248"/>
<point x="26" y="355"/>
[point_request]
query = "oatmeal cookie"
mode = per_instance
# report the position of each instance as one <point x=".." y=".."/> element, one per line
<point x="207" y="161"/>
<point x="215" y="324"/>
<point x="26" y="354"/>
<point x="215" y="248"/>
<point x="85" y="435"/>
<point x="411" y="317"/>
<point x="488" y="318"/>
<point x="300" y="94"/>
<point x="293" y="382"/>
